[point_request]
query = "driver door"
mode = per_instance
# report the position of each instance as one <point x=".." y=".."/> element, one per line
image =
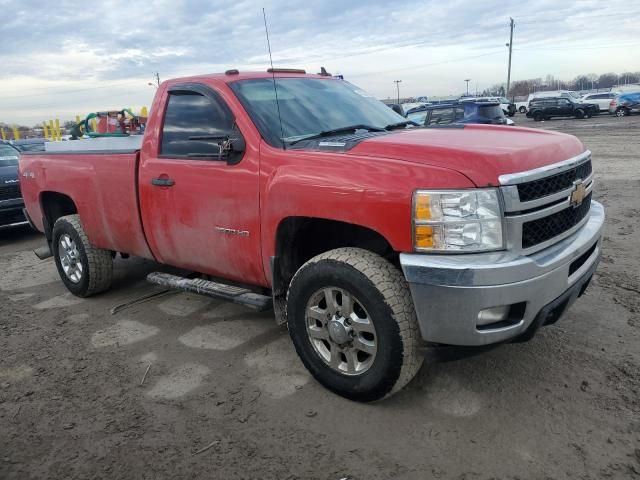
<point x="200" y="206"/>
<point x="564" y="107"/>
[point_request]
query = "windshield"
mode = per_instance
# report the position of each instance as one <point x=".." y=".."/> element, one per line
<point x="8" y="156"/>
<point x="503" y="100"/>
<point x="574" y="95"/>
<point x="309" y="106"/>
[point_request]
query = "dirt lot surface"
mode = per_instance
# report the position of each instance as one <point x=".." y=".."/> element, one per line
<point x="225" y="396"/>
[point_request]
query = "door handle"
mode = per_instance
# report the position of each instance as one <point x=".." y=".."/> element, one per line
<point x="163" y="182"/>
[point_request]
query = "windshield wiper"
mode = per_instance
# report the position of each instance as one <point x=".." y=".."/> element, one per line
<point x="393" y="126"/>
<point x="336" y="131"/>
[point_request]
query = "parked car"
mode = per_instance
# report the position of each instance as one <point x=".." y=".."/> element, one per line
<point x="371" y="240"/>
<point x="403" y="108"/>
<point x="396" y="107"/>
<point x="508" y="107"/>
<point x="29" y="144"/>
<point x="11" y="203"/>
<point x="459" y="112"/>
<point x="625" y="104"/>
<point x="523" y="107"/>
<point x="546" y="108"/>
<point x="602" y="100"/>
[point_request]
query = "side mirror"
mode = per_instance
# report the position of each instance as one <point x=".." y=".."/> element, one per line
<point x="230" y="150"/>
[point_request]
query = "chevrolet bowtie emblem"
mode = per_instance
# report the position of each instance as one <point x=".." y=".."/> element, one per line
<point x="578" y="194"/>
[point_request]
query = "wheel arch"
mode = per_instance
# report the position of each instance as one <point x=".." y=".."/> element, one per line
<point x="53" y="206"/>
<point x="299" y="239"/>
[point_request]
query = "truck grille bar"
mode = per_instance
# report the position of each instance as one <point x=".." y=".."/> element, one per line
<point x="538" y="205"/>
<point x="555" y="183"/>
<point x="545" y="228"/>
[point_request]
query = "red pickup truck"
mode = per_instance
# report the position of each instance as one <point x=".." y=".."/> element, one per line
<point x="371" y="238"/>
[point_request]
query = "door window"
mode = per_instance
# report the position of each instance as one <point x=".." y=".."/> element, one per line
<point x="193" y="125"/>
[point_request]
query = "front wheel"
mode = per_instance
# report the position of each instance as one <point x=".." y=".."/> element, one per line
<point x="84" y="269"/>
<point x="353" y="324"/>
<point x="579" y="113"/>
<point x="621" y="112"/>
<point x="538" y="116"/>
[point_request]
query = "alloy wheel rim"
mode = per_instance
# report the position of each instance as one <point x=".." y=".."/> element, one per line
<point x="341" y="331"/>
<point x="70" y="259"/>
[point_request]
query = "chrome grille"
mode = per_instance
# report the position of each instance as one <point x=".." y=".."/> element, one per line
<point x="538" y="207"/>
<point x="545" y="228"/>
<point x="546" y="186"/>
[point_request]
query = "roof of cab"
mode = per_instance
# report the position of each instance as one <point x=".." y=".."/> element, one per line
<point x="233" y="77"/>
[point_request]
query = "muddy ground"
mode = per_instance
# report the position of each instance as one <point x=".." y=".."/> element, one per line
<point x="225" y="396"/>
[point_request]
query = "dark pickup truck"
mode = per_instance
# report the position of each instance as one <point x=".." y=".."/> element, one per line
<point x="11" y="203"/>
<point x="548" y="107"/>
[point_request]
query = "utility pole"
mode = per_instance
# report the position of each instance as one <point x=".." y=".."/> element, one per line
<point x="157" y="77"/>
<point x="510" y="45"/>
<point x="397" y="82"/>
<point x="467" y="80"/>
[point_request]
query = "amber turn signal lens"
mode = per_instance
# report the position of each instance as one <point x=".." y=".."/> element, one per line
<point x="423" y="207"/>
<point x="424" y="236"/>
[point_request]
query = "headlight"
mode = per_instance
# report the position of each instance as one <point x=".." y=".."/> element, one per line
<point x="460" y="221"/>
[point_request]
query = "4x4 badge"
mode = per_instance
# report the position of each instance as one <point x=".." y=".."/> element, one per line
<point x="578" y="194"/>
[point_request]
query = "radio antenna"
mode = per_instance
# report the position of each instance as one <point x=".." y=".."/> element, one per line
<point x="273" y="76"/>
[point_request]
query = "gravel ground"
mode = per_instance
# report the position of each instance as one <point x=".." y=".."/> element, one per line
<point x="186" y="387"/>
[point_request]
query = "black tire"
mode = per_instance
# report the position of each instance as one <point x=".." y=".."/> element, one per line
<point x="379" y="287"/>
<point x="579" y="113"/>
<point x="522" y="109"/>
<point x="538" y="116"/>
<point x="96" y="264"/>
<point x="622" y="112"/>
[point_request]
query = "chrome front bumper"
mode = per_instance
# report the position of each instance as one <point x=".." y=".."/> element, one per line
<point x="449" y="291"/>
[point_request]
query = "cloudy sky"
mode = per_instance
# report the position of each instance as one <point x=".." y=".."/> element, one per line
<point x="65" y="58"/>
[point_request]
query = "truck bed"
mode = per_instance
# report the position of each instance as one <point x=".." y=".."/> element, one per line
<point x="102" y="185"/>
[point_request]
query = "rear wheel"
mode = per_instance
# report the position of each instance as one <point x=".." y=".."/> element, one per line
<point x="352" y="321"/>
<point x="522" y="109"/>
<point x="84" y="269"/>
<point x="621" y="112"/>
<point x="538" y="116"/>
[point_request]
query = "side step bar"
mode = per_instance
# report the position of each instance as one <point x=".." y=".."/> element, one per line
<point x="208" y="288"/>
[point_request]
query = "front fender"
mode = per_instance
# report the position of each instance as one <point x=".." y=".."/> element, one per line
<point x="369" y="192"/>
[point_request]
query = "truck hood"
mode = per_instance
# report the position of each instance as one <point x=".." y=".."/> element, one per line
<point x="480" y="152"/>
